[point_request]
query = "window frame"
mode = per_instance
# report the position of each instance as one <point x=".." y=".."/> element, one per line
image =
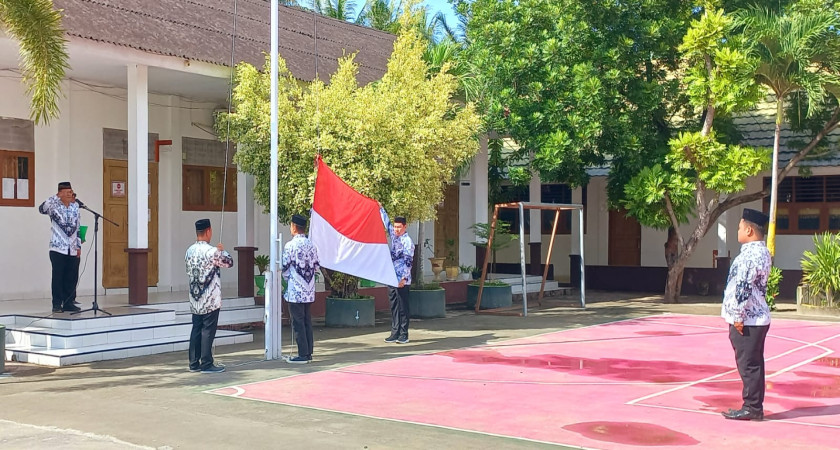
<point x="230" y="205"/>
<point x="794" y="208"/>
<point x="16" y="202"/>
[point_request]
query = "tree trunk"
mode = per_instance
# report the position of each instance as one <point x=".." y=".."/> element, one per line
<point x="672" y="254"/>
<point x="673" y="283"/>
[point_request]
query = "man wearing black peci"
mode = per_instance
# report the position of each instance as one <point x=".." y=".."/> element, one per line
<point x="65" y="246"/>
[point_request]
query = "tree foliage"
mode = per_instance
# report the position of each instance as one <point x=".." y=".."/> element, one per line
<point x="36" y="26"/>
<point x="579" y="83"/>
<point x="398" y="140"/>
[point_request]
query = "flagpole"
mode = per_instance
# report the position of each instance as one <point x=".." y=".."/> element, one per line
<point x="273" y="343"/>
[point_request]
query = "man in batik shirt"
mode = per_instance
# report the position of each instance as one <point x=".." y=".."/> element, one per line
<point x="745" y="310"/>
<point x="203" y="264"/>
<point x="65" y="246"/>
<point x="299" y="263"/>
<point x="402" y="255"/>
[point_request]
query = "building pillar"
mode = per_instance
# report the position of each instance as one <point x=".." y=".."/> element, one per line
<point x="138" y="184"/>
<point x="574" y="254"/>
<point x="535" y="229"/>
<point x="481" y="190"/>
<point x="245" y="233"/>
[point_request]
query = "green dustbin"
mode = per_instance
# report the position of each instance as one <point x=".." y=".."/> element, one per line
<point x="2" y="349"/>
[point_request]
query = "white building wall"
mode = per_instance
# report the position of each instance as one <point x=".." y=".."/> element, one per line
<point x="70" y="148"/>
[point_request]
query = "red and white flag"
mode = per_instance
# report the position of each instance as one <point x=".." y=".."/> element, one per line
<point x="346" y="227"/>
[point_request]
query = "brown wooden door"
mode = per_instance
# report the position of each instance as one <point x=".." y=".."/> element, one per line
<point x="625" y="240"/>
<point x="115" y="239"/>
<point x="446" y="226"/>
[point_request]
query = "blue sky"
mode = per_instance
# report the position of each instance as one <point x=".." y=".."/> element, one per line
<point x="442" y="5"/>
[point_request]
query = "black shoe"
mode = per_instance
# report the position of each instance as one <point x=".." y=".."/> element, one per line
<point x="76" y="303"/>
<point x="195" y="369"/>
<point x="213" y="369"/>
<point x="299" y="360"/>
<point x="391" y="339"/>
<point x="402" y="340"/>
<point x="58" y="310"/>
<point x="743" y="414"/>
<point x="72" y="308"/>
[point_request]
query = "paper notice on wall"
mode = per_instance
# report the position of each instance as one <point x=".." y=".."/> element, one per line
<point x="23" y="189"/>
<point x="8" y="188"/>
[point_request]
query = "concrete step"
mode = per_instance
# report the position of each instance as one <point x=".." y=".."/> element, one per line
<point x="122" y="317"/>
<point x="184" y="306"/>
<point x="66" y="339"/>
<point x="231" y="316"/>
<point x="69" y="356"/>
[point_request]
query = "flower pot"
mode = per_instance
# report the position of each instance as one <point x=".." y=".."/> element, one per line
<point x="346" y="312"/>
<point x="427" y="304"/>
<point x="437" y="266"/>
<point x="260" y="282"/>
<point x="367" y="283"/>
<point x="492" y="297"/>
<point x="452" y="273"/>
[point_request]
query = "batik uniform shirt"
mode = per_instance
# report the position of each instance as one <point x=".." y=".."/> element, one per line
<point x="203" y="271"/>
<point x="744" y="297"/>
<point x="299" y="264"/>
<point x="64" y="237"/>
<point x="402" y="250"/>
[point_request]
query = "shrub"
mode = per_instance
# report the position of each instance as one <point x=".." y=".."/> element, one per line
<point x="773" y="287"/>
<point x="820" y="268"/>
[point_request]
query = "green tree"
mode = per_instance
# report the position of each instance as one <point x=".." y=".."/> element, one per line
<point x="36" y="26"/>
<point x="702" y="177"/>
<point x="578" y="84"/>
<point x="398" y="140"/>
<point x="797" y="54"/>
<point x="337" y="9"/>
<point x="382" y="15"/>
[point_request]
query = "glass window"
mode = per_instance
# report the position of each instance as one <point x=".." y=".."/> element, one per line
<point x="809" y="219"/>
<point x="17" y="178"/>
<point x="203" y="189"/>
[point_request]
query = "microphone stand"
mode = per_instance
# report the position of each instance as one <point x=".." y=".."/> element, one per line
<point x="96" y="216"/>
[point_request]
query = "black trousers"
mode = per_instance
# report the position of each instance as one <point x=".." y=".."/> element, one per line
<point x="201" y="339"/>
<point x="398" y="298"/>
<point x="65" y="277"/>
<point x="302" y="324"/>
<point x="749" y="357"/>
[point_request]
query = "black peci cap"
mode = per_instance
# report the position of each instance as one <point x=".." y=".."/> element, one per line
<point x="202" y="224"/>
<point x="299" y="220"/>
<point x="756" y="217"/>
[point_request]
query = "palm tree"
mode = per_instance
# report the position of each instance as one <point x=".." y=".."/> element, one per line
<point x="337" y="9"/>
<point x="796" y="56"/>
<point x="36" y="26"/>
<point x="381" y="15"/>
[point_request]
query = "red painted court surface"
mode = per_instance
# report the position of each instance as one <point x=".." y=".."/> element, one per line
<point x="658" y="381"/>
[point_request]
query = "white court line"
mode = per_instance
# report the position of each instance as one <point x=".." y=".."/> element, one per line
<point x="673" y="408"/>
<point x="814" y="344"/>
<point x="79" y="433"/>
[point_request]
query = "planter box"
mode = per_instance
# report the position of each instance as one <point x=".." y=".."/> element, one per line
<point x="342" y="312"/>
<point x="427" y="304"/>
<point x="492" y="297"/>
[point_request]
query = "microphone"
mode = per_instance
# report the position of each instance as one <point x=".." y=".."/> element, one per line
<point x="81" y="204"/>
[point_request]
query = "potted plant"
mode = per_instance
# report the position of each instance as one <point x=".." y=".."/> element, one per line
<point x="451" y="265"/>
<point x="467" y="272"/>
<point x="345" y="307"/>
<point x="426" y="301"/>
<point x="820" y="276"/>
<point x="437" y="263"/>
<point x="501" y="238"/>
<point x="261" y="262"/>
<point x="496" y="294"/>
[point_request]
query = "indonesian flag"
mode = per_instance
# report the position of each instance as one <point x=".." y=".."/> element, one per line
<point x="346" y="228"/>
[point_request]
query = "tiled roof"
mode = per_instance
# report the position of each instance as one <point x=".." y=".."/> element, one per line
<point x="758" y="128"/>
<point x="202" y="29"/>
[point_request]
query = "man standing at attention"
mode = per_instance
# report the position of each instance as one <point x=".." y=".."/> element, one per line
<point x="745" y="310"/>
<point x="300" y="262"/>
<point x="65" y="247"/>
<point x="203" y="263"/>
<point x="402" y="254"/>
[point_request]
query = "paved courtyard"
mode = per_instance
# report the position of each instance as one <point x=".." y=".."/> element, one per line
<point x="154" y="402"/>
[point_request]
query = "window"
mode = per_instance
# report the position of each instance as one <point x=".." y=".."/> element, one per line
<point x="17" y="170"/>
<point x="549" y="193"/>
<point x="807" y="205"/>
<point x="204" y="188"/>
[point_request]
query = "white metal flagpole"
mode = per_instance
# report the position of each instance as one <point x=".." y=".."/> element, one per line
<point x="273" y="307"/>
